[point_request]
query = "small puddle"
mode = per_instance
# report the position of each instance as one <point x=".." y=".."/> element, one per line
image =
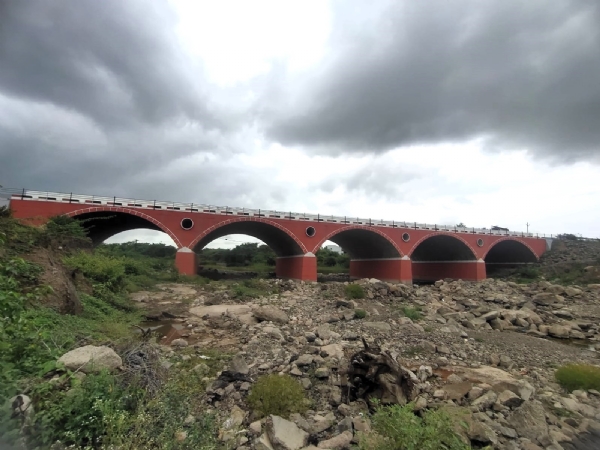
<point x="167" y="330"/>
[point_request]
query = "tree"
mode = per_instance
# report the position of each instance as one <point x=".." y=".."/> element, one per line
<point x="461" y="225"/>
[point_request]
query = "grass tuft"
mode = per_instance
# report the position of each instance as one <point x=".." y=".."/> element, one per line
<point x="398" y="428"/>
<point x="276" y="394"/>
<point x="355" y="291"/>
<point x="578" y="376"/>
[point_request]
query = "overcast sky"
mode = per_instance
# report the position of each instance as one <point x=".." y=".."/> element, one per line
<point x="484" y="112"/>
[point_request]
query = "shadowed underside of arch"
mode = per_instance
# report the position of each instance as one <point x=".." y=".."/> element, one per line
<point x="280" y="241"/>
<point x="102" y="225"/>
<point x="510" y="251"/>
<point x="363" y="243"/>
<point x="442" y="247"/>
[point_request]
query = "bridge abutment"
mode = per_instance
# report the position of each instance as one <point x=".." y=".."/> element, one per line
<point x="437" y="270"/>
<point x="392" y="270"/>
<point x="302" y="267"/>
<point x="186" y="261"/>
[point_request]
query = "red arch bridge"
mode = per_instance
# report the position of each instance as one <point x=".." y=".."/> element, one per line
<point x="386" y="250"/>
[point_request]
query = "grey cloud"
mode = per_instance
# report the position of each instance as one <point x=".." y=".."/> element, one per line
<point x="374" y="179"/>
<point x="98" y="97"/>
<point x="522" y="74"/>
<point x="118" y="62"/>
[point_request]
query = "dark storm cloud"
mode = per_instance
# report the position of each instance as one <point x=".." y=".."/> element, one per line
<point x="96" y="95"/>
<point x="522" y="74"/>
<point x="115" y="61"/>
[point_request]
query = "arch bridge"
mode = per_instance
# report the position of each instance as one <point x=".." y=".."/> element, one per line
<point x="386" y="250"/>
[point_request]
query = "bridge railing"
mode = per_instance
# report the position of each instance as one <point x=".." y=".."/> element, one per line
<point x="92" y="200"/>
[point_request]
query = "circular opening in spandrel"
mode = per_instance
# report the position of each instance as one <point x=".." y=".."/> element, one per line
<point x="310" y="231"/>
<point x="187" y="223"/>
<point x="405" y="237"/>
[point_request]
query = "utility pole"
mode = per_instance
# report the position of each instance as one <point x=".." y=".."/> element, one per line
<point x="527" y="227"/>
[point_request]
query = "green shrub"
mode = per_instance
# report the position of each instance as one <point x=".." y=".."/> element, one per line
<point x="65" y="226"/>
<point x="354" y="291"/>
<point x="578" y="376"/>
<point x="99" y="268"/>
<point x="360" y="314"/>
<point x="91" y="413"/>
<point x="398" y="428"/>
<point x="277" y="394"/>
<point x="412" y="313"/>
<point x="158" y="419"/>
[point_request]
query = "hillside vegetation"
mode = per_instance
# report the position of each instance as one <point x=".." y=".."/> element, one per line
<point x="97" y="410"/>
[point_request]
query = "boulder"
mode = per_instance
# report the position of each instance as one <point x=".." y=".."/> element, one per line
<point x="90" y="359"/>
<point x="482" y="434"/>
<point x="499" y="379"/>
<point x="179" y="343"/>
<point x="509" y="399"/>
<point x="456" y="391"/>
<point x="559" y="331"/>
<point x="572" y="291"/>
<point x="270" y="313"/>
<point x="342" y="440"/>
<point x="238" y="365"/>
<point x="529" y="420"/>
<point x="547" y="299"/>
<point x="332" y="351"/>
<point x="285" y="435"/>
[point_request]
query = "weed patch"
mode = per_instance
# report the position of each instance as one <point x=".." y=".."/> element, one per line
<point x="360" y="314"/>
<point x="578" y="376"/>
<point x="412" y="313"/>
<point x="277" y="394"/>
<point x="398" y="428"/>
<point x="354" y="291"/>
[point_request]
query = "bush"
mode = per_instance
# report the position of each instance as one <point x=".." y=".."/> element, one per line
<point x="277" y="394"/>
<point x="65" y="226"/>
<point x="412" y="313"/>
<point x="578" y="376"/>
<point x="398" y="428"/>
<point x="99" y="268"/>
<point x="91" y="413"/>
<point x="360" y="314"/>
<point x="354" y="291"/>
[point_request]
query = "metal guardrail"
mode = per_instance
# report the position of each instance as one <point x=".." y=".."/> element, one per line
<point x="91" y="200"/>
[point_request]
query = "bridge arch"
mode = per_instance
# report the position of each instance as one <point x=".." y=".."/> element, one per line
<point x="444" y="255"/>
<point x="362" y="242"/>
<point x="442" y="247"/>
<point x="101" y="226"/>
<point x="279" y="238"/>
<point x="510" y="250"/>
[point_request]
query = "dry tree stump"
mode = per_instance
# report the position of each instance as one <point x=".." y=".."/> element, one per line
<point x="374" y="374"/>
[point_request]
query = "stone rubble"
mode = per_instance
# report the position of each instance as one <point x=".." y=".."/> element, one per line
<point x="487" y="349"/>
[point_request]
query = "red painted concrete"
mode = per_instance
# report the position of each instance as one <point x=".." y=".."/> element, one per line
<point x="37" y="212"/>
<point x="392" y="270"/>
<point x="186" y="262"/>
<point x="433" y="271"/>
<point x="297" y="267"/>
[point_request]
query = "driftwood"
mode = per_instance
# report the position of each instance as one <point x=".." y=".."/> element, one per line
<point x="374" y="374"/>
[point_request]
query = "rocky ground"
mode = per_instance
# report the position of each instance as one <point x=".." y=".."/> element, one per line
<point x="487" y="348"/>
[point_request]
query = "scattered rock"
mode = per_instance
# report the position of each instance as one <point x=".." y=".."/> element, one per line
<point x="90" y="359"/>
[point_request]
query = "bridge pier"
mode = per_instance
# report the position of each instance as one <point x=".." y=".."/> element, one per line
<point x="186" y="261"/>
<point x="437" y="270"/>
<point x="301" y="267"/>
<point x="392" y="270"/>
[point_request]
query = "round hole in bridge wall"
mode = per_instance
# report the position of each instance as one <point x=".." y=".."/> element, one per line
<point x="310" y="231"/>
<point x="480" y="242"/>
<point x="405" y="237"/>
<point x="187" y="223"/>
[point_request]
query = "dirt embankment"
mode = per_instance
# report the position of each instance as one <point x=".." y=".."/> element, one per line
<point x="62" y="280"/>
